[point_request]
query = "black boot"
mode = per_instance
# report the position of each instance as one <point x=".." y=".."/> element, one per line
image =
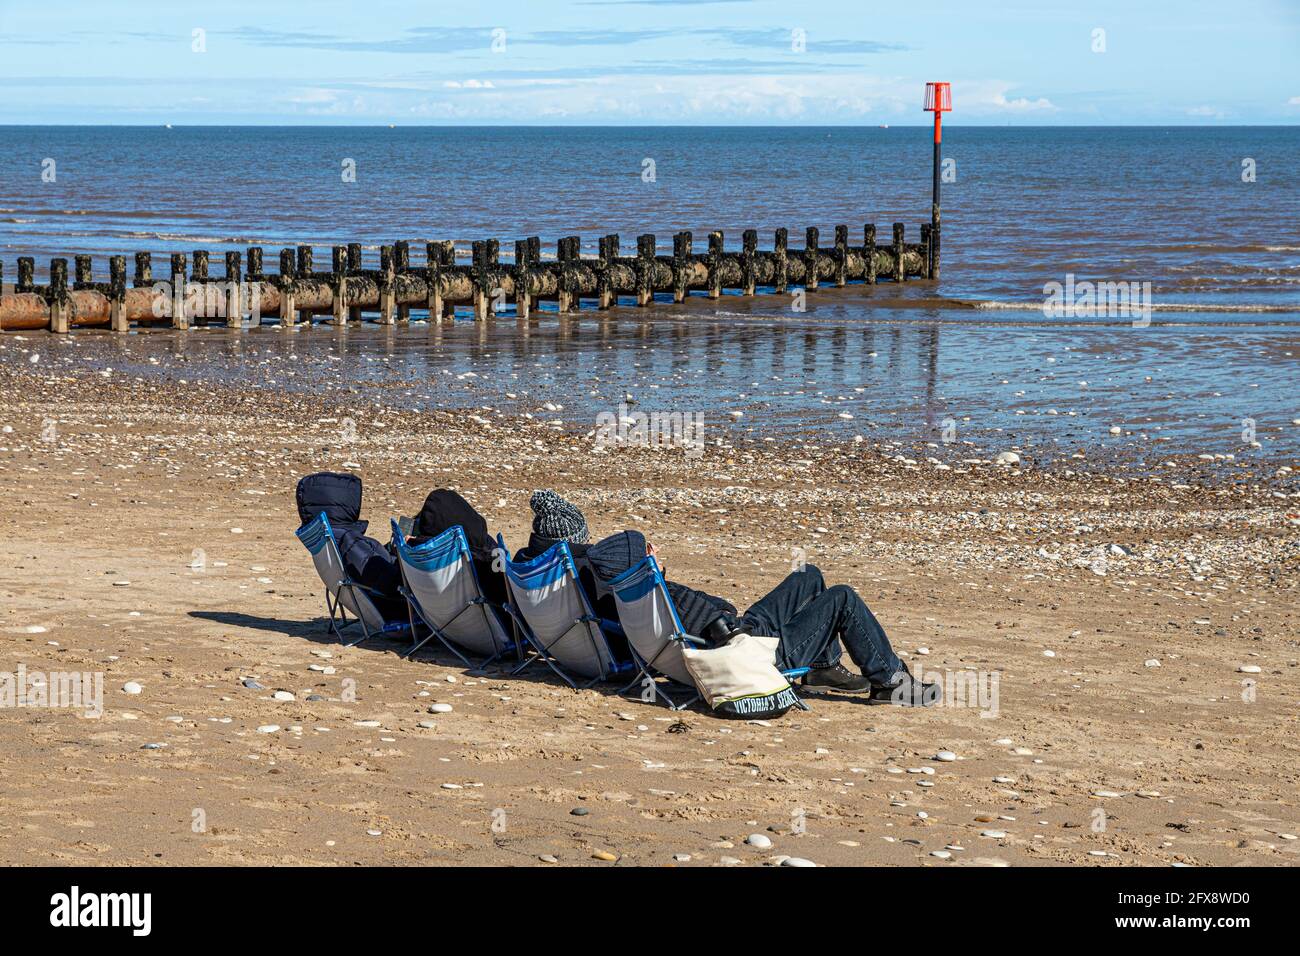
<point x="906" y="691"/>
<point x="837" y="677"/>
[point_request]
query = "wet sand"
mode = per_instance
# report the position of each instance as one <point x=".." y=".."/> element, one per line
<point x="149" y="534"/>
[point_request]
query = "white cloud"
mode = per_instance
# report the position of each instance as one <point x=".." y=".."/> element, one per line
<point x="1206" y="112"/>
<point x="1293" y="101"/>
<point x="1022" y="104"/>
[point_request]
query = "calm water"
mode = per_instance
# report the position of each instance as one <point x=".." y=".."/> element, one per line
<point x="1028" y="206"/>
<point x="1166" y="205"/>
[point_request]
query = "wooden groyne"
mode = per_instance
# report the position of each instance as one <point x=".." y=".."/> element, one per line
<point x="191" y="295"/>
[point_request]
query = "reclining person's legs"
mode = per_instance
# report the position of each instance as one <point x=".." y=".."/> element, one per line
<point x="840" y="611"/>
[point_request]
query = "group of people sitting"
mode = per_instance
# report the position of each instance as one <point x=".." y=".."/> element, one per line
<point x="814" y="623"/>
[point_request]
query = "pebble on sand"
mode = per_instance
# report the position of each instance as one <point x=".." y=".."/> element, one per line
<point x="945" y="756"/>
<point x="440" y="708"/>
<point x="1105" y="793"/>
<point x="758" y="841"/>
<point x="604" y="855"/>
<point x="268" y="728"/>
<point x="1248" y="669"/>
<point x="797" y="861"/>
<point x="283" y="695"/>
<point x="993" y="834"/>
<point x="131" y="687"/>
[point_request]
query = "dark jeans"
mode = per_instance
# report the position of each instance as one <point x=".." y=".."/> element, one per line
<point x="810" y="619"/>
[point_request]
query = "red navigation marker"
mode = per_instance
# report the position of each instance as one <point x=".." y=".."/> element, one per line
<point x="938" y="100"/>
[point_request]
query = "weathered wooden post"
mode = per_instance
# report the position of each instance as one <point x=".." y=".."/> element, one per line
<point x="26" y="274"/>
<point x="436" y="256"/>
<point x="900" y="271"/>
<point x="143" y="270"/>
<point x="492" y="274"/>
<point x="478" y="269"/>
<point x="645" y="268"/>
<point x="869" y="250"/>
<point x="180" y="315"/>
<point x="288" y="314"/>
<point x="563" y="295"/>
<point x="234" y="291"/>
<point x="811" y="238"/>
<point x="682" y="242"/>
<point x="354" y="267"/>
<point x="402" y="265"/>
<point x="521" y="274"/>
<point x="386" y="303"/>
<point x="82" y="265"/>
<point x="199" y="277"/>
<point x="255" y="272"/>
<point x="338" y="280"/>
<point x="841" y="256"/>
<point x="117" y="320"/>
<point x="604" y="290"/>
<point x="57" y="297"/>
<point x="780" y="247"/>
<point x="715" y="265"/>
<point x="304" y="270"/>
<point x="926" y="250"/>
<point x="748" y="259"/>
<point x="938" y="100"/>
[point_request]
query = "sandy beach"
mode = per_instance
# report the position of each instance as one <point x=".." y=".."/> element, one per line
<point x="149" y="536"/>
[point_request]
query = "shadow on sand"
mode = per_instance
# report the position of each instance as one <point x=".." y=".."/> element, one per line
<point x="318" y="631"/>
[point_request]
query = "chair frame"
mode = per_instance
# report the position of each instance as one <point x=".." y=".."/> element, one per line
<point x="646" y="670"/>
<point x="414" y="610"/>
<point x="541" y="651"/>
<point x="337" y="610"/>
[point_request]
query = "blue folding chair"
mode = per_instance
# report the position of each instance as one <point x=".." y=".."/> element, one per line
<point x="656" y="637"/>
<point x="342" y="594"/>
<point x="555" y="618"/>
<point x="442" y="589"/>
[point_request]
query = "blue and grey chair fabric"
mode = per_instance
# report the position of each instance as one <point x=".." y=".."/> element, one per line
<point x="344" y="596"/>
<point x="655" y="634"/>
<point x="556" y="618"/>
<point x="442" y="590"/>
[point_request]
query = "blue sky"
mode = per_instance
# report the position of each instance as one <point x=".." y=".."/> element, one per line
<point x="597" y="62"/>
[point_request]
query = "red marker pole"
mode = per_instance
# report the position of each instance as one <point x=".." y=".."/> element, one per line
<point x="938" y="100"/>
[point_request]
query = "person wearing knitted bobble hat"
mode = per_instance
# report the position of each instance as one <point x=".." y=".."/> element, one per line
<point x="554" y="520"/>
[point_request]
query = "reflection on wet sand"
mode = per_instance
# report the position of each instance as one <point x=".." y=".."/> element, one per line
<point x="824" y="375"/>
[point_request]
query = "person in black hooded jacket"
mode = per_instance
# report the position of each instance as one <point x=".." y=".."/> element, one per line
<point x="444" y="509"/>
<point x="367" y="561"/>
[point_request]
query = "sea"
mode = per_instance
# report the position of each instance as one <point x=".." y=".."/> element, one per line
<point x="1201" y="223"/>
